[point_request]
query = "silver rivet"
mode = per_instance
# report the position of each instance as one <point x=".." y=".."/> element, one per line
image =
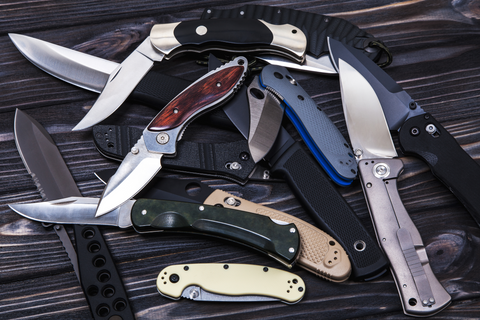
<point x="235" y="166"/>
<point x="219" y="84"/>
<point x="144" y="212"/>
<point x="209" y="11"/>
<point x="291" y="250"/>
<point x="134" y="150"/>
<point x="292" y="230"/>
<point x="404" y="285"/>
<point x="369" y="185"/>
<point x="175" y="110"/>
<point x="242" y="13"/>
<point x="432" y="300"/>
<point x="194" y="294"/>
<point x="230" y="201"/>
<point x="201" y="30"/>
<point x="383" y="240"/>
<point x="201" y="208"/>
<point x="425" y="301"/>
<point x="162" y="138"/>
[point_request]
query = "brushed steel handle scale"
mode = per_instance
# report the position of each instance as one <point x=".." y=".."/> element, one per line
<point x="419" y="289"/>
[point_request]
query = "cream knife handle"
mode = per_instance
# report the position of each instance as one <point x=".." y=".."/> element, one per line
<point x="319" y="252"/>
<point x="232" y="280"/>
<point x="420" y="291"/>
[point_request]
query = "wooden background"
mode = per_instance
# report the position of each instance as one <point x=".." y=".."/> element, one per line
<point x="436" y="49"/>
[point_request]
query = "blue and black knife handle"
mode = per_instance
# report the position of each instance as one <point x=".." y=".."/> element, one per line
<point x="99" y="276"/>
<point x="424" y="137"/>
<point x="316" y="27"/>
<point x="280" y="241"/>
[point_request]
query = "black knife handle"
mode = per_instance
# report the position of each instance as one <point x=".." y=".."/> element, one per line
<point x="446" y="158"/>
<point x="330" y="211"/>
<point x="316" y="27"/>
<point x="233" y="35"/>
<point x="256" y="231"/>
<point x="230" y="160"/>
<point x="99" y="277"/>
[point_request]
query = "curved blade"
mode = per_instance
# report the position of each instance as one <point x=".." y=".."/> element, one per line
<point x="322" y="65"/>
<point x="397" y="105"/>
<point x="73" y="210"/>
<point x="80" y="69"/>
<point x="266" y="113"/>
<point x="134" y="173"/>
<point x="119" y="86"/>
<point x="366" y="124"/>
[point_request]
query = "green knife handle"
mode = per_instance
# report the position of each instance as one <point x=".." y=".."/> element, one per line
<point x="203" y="93"/>
<point x="235" y="35"/>
<point x="281" y="241"/>
<point x="445" y="157"/>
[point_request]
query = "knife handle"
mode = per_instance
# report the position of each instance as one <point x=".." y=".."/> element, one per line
<point x="228" y="160"/>
<point x="425" y="137"/>
<point x="99" y="277"/>
<point x="209" y="90"/>
<point x="315" y="26"/>
<point x="231" y="280"/>
<point x="319" y="252"/>
<point x="280" y="241"/>
<point x="330" y="211"/>
<point x="318" y="132"/>
<point x="235" y="35"/>
<point x="420" y="291"/>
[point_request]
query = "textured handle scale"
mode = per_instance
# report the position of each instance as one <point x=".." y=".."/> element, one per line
<point x="279" y="241"/>
<point x="420" y="291"/>
<point x="331" y="212"/>
<point x="319" y="252"/>
<point x="197" y="97"/>
<point x="231" y="279"/>
<point x="315" y="26"/>
<point x="445" y="157"/>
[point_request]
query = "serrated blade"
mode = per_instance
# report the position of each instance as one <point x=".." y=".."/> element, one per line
<point x="266" y="113"/>
<point x="47" y="168"/>
<point x="80" y="69"/>
<point x="366" y="124"/>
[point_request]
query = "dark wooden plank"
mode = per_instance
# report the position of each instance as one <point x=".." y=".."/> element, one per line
<point x="435" y="46"/>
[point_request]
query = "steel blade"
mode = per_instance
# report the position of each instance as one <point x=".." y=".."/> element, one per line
<point x="366" y="124"/>
<point x="74" y="210"/>
<point x="397" y="105"/>
<point x="199" y="294"/>
<point x="321" y="65"/>
<point x="80" y="69"/>
<point x="134" y="173"/>
<point x="266" y="113"/>
<point x="120" y="84"/>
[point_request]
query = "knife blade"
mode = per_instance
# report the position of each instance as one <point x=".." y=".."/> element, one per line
<point x="319" y="252"/>
<point x="420" y="291"/>
<point x="421" y="135"/>
<point x="229" y="282"/>
<point x="161" y="135"/>
<point x="53" y="180"/>
<point x="278" y="239"/>
<point x="326" y="206"/>
<point x="167" y="40"/>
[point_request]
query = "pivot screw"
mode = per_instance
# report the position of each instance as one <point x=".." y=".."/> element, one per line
<point x="162" y="138"/>
<point x="291" y="250"/>
<point x="414" y="131"/>
<point x="230" y="201"/>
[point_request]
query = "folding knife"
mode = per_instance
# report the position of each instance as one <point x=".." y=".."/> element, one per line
<point x="161" y="135"/>
<point x="420" y="291"/>
<point x="287" y="156"/>
<point x="230" y="282"/>
<point x="319" y="252"/>
<point x="424" y="137"/>
<point x="167" y="40"/>
<point x="278" y="239"/>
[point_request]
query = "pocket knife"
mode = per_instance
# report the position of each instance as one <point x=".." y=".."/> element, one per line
<point x="420" y="291"/>
<point x="160" y="137"/>
<point x="230" y="282"/>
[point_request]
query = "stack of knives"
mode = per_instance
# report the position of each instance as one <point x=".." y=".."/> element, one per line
<point x="248" y="87"/>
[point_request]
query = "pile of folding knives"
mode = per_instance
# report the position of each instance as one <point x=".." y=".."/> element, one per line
<point x="253" y="101"/>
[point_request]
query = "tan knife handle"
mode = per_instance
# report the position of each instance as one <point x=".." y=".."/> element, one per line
<point x="319" y="252"/>
<point x="231" y="279"/>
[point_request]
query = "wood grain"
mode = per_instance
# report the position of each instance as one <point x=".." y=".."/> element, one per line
<point x="435" y="45"/>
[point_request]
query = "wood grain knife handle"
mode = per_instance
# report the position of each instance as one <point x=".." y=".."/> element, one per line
<point x="319" y="252"/>
<point x="425" y="137"/>
<point x="235" y="35"/>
